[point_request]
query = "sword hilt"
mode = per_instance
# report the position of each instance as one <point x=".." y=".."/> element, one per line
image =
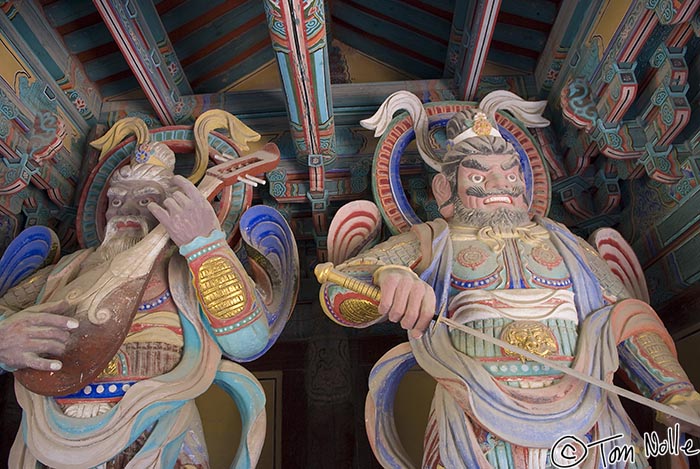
<point x="326" y="273"/>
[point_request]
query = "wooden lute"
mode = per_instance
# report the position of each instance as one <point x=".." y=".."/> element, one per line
<point x="107" y="297"/>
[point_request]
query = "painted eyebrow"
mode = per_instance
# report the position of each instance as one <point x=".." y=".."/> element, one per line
<point x="115" y="191"/>
<point x="146" y="191"/>
<point x="513" y="163"/>
<point x="473" y="164"/>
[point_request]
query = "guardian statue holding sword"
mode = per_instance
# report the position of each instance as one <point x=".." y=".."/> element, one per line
<point x="530" y="323"/>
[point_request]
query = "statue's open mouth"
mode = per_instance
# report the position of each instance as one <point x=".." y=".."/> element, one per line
<point x="498" y="199"/>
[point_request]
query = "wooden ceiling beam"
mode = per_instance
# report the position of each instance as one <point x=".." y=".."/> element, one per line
<point x="144" y="43"/>
<point x="167" y="5"/>
<point x="298" y="33"/>
<point x="392" y="17"/>
<point x="224" y="40"/>
<point x="97" y="52"/>
<point x="390" y="45"/>
<point x="522" y="22"/>
<point x="204" y="20"/>
<point x="479" y="19"/>
<point x="516" y="50"/>
<point x="80" y="23"/>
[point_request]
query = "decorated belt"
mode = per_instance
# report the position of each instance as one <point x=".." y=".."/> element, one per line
<point x="112" y="390"/>
<point x="532" y="336"/>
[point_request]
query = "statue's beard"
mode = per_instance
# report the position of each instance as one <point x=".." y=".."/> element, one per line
<point x="117" y="241"/>
<point x="502" y="217"/>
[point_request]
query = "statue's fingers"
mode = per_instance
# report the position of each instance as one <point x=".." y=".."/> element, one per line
<point x="388" y="289"/>
<point x="172" y="206"/>
<point x="54" y="321"/>
<point x="187" y="187"/>
<point x="398" y="306"/>
<point x="427" y="311"/>
<point x="181" y="199"/>
<point x="46" y="347"/>
<point x="412" y="310"/>
<point x="159" y="212"/>
<point x="50" y="333"/>
<point x="32" y="360"/>
<point x="189" y="195"/>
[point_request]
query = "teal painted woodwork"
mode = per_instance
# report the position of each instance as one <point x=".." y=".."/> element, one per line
<point x="63" y="12"/>
<point x="544" y="11"/>
<point x="209" y="33"/>
<point x="252" y="63"/>
<point x="183" y="12"/>
<point x="521" y="37"/>
<point x="407" y="14"/>
<point x="105" y="66"/>
<point x="407" y="64"/>
<point x="208" y="65"/>
<point x="88" y="38"/>
<point x="395" y="34"/>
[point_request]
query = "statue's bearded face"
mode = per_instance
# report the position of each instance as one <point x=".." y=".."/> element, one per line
<point x="487" y="190"/>
<point x="128" y="218"/>
<point x="490" y="183"/>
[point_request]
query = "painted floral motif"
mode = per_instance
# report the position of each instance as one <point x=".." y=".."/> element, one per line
<point x="471" y="257"/>
<point x="546" y="257"/>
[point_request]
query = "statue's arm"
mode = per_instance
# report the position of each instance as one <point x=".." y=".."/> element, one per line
<point x="28" y="331"/>
<point x="226" y="293"/>
<point x="647" y="354"/>
<point x="25" y="293"/>
<point x="401" y="256"/>
<point x="227" y="296"/>
<point x="649" y="362"/>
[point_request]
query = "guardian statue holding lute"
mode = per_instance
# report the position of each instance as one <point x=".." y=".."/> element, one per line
<point x="111" y="345"/>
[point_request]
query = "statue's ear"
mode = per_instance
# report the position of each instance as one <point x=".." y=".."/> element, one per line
<point x="442" y="190"/>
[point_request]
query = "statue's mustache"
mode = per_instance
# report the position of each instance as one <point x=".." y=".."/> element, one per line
<point x="481" y="192"/>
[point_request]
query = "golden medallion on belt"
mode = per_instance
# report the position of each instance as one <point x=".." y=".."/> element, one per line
<point x="532" y="336"/>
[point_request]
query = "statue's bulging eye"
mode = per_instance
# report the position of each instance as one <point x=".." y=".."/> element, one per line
<point x="116" y="203"/>
<point x="477" y="178"/>
<point x="512" y="177"/>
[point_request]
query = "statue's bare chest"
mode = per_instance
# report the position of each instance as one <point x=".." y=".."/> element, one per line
<point x="513" y="263"/>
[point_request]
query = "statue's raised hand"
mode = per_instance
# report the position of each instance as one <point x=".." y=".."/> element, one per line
<point x="186" y="214"/>
<point x="405" y="298"/>
<point x="27" y="336"/>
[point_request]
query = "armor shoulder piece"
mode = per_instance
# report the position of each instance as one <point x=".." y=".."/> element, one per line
<point x="612" y="286"/>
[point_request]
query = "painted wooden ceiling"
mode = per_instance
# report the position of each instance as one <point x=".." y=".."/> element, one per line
<point x="219" y="42"/>
<point x="629" y="159"/>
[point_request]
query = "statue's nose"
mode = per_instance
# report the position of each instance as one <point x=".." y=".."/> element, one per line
<point x="496" y="181"/>
<point x="129" y="208"/>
